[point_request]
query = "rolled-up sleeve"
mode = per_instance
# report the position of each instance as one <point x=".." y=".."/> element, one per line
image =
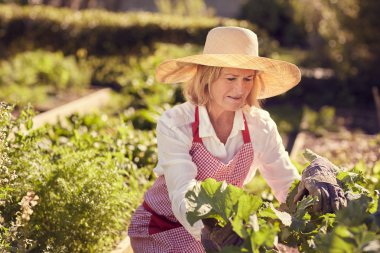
<point x="274" y="163"/>
<point x="176" y="164"/>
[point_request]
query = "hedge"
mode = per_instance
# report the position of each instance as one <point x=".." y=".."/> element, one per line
<point x="101" y="32"/>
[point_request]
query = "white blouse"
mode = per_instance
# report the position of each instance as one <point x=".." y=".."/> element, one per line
<point x="174" y="139"/>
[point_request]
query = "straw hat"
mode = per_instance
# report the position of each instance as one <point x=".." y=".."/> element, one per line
<point x="233" y="47"/>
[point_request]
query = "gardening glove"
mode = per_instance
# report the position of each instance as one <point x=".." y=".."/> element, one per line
<point x="215" y="237"/>
<point x="319" y="179"/>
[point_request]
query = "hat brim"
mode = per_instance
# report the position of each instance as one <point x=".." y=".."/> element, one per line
<point x="276" y="76"/>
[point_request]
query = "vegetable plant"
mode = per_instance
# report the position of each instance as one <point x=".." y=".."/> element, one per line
<point x="267" y="226"/>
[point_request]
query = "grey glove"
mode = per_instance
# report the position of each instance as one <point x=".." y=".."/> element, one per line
<point x="319" y="179"/>
<point x="215" y="237"/>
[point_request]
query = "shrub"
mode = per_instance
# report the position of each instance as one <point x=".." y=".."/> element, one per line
<point x="77" y="182"/>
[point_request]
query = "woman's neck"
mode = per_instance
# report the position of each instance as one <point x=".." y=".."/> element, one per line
<point x="222" y="121"/>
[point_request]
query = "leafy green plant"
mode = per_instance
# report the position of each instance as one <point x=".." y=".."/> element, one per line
<point x="77" y="182"/>
<point x="262" y="224"/>
<point x="227" y="203"/>
<point x="320" y="122"/>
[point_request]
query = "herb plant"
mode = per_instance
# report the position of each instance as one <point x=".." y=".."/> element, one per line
<point x="70" y="187"/>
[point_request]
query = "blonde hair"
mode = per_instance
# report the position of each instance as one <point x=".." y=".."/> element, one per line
<point x="197" y="90"/>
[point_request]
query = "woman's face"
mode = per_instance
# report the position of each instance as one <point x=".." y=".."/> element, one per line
<point x="229" y="92"/>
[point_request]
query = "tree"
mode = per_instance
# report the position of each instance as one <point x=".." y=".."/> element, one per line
<point x="277" y="17"/>
<point x="346" y="33"/>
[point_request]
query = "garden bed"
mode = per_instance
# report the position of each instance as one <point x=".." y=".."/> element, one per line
<point x="347" y="138"/>
<point x="345" y="147"/>
<point x="62" y="98"/>
<point x="91" y="102"/>
<point x="73" y="185"/>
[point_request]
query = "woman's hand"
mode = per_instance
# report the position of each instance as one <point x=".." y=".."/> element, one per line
<point x="215" y="237"/>
<point x="319" y="179"/>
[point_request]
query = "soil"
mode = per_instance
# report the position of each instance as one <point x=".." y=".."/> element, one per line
<point x="355" y="138"/>
<point x="346" y="148"/>
<point x="286" y="249"/>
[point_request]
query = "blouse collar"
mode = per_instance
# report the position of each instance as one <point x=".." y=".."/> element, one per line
<point x="207" y="130"/>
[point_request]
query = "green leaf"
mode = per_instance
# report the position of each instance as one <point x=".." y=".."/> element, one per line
<point x="225" y="199"/>
<point x="212" y="199"/>
<point x="284" y="217"/>
<point x="265" y="236"/>
<point x="355" y="213"/>
<point x="267" y="212"/>
<point x="290" y="206"/>
<point x="310" y="155"/>
<point x="352" y="181"/>
<point x="247" y="205"/>
<point x="198" y="204"/>
<point x="301" y="217"/>
<point x="349" y="239"/>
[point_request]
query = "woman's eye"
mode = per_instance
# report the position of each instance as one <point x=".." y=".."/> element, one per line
<point x="231" y="79"/>
<point x="248" y="79"/>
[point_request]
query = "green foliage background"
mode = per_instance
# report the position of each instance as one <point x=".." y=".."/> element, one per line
<point x="72" y="187"/>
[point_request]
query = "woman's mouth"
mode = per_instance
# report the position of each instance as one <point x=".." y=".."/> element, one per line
<point x="236" y="98"/>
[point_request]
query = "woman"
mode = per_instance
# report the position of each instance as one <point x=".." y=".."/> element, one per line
<point x="220" y="133"/>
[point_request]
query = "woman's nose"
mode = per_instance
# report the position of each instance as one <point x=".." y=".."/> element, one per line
<point x="239" y="87"/>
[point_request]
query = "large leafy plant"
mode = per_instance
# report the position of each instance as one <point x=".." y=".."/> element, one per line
<point x="266" y="226"/>
<point x="70" y="187"/>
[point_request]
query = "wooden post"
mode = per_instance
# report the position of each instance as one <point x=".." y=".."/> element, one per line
<point x="83" y="105"/>
<point x="300" y="138"/>
<point x="376" y="97"/>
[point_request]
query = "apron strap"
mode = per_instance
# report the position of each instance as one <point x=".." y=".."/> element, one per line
<point x="246" y="135"/>
<point x="195" y="127"/>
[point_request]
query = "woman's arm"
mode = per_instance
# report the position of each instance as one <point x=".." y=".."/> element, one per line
<point x="178" y="169"/>
<point x="274" y="163"/>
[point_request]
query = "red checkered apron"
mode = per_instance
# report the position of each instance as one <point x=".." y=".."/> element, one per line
<point x="154" y="227"/>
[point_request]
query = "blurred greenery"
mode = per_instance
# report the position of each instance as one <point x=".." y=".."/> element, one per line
<point x="320" y="122"/>
<point x="278" y="18"/>
<point x="339" y="35"/>
<point x="287" y="117"/>
<point x="194" y="8"/>
<point x="31" y="77"/>
<point x="139" y="97"/>
<point x="100" y="32"/>
<point x="46" y="50"/>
